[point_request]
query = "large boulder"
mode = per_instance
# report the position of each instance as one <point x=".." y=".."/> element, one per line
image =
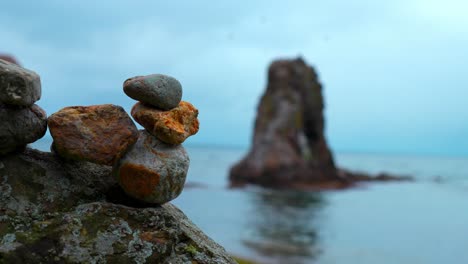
<point x="289" y="145"/>
<point x="18" y="86"/>
<point x="52" y="211"/>
<point x="20" y="126"/>
<point x="97" y="133"/>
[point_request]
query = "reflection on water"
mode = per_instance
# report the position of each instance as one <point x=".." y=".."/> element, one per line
<point x="283" y="225"/>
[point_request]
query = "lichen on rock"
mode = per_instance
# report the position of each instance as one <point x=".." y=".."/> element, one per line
<point x="56" y="211"/>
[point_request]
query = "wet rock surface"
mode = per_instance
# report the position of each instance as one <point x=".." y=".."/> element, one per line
<point x="98" y="133"/>
<point x="53" y="211"/>
<point x="20" y="126"/>
<point x="173" y="126"/>
<point x="18" y="86"/>
<point x="153" y="171"/>
<point x="159" y="90"/>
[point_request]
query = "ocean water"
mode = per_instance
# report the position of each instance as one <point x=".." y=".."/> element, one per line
<point x="425" y="221"/>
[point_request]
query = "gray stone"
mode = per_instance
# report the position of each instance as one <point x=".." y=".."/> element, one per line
<point x="153" y="171"/>
<point x="18" y="86"/>
<point x="20" y="126"/>
<point x="161" y="91"/>
<point x="53" y="211"/>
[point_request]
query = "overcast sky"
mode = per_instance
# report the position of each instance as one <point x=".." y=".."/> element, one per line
<point x="395" y="73"/>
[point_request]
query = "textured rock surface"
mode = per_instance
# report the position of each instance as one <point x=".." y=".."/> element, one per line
<point x="289" y="145"/>
<point x="20" y="126"/>
<point x="153" y="171"/>
<point x="18" y="86"/>
<point x="55" y="212"/>
<point x="98" y="133"/>
<point x="173" y="126"/>
<point x="161" y="91"/>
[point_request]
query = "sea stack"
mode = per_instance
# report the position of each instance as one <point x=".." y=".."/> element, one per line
<point x="289" y="148"/>
<point x="23" y="122"/>
<point x="155" y="168"/>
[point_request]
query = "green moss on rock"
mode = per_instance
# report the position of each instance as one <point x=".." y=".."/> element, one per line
<point x="72" y="213"/>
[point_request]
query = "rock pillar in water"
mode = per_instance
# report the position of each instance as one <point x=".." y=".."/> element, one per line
<point x="289" y="147"/>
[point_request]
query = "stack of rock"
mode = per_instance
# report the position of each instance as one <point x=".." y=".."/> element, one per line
<point x="155" y="168"/>
<point x="150" y="165"/>
<point x="22" y="122"/>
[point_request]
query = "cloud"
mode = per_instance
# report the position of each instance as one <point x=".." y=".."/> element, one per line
<point x="391" y="71"/>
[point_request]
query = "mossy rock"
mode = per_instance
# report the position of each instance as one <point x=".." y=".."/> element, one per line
<point x="55" y="211"/>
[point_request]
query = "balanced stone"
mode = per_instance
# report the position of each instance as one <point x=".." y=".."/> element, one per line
<point x="152" y="171"/>
<point x="18" y="86"/>
<point x="173" y="126"/>
<point x="98" y="133"/>
<point x="20" y="126"/>
<point x="161" y="91"/>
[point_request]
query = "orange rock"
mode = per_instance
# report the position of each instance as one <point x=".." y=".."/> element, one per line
<point x="138" y="180"/>
<point x="98" y="133"/>
<point x="152" y="171"/>
<point x="173" y="126"/>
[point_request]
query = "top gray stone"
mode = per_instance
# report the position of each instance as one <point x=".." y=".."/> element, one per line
<point x="18" y="86"/>
<point x="161" y="91"/>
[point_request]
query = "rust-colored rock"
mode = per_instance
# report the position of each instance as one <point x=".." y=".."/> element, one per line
<point x="98" y="133"/>
<point x="140" y="180"/>
<point x="152" y="171"/>
<point x="171" y="127"/>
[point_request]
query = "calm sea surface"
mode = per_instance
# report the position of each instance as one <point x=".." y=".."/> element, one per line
<point x="425" y="221"/>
